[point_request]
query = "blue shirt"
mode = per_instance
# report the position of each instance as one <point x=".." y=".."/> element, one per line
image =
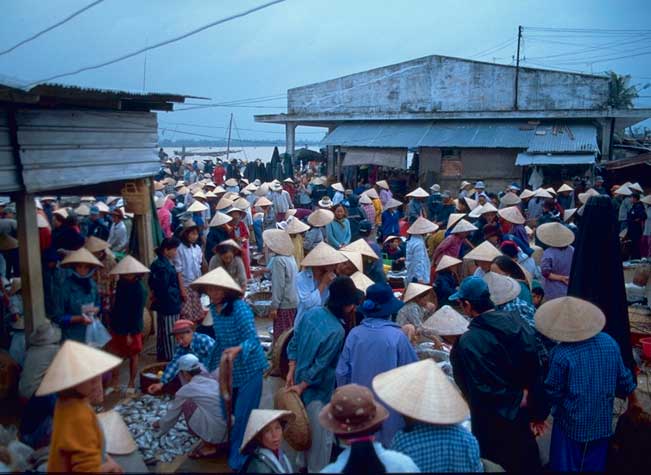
<point x="315" y="346"/>
<point x="338" y="233"/>
<point x="417" y="260"/>
<point x="390" y="223"/>
<point x="238" y="329"/>
<point x="583" y="380"/>
<point x="201" y="346"/>
<point x="75" y="292"/>
<point x="307" y="290"/>
<point x="439" y="448"/>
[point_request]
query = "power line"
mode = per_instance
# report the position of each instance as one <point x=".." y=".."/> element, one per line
<point x="50" y="28"/>
<point x="186" y="124"/>
<point x="161" y="44"/>
<point x="494" y="49"/>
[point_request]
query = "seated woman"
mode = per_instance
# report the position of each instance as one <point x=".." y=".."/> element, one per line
<point x="394" y="248"/>
<point x="262" y="442"/>
<point x="420" y="303"/>
<point x="199" y="402"/>
<point x="228" y="255"/>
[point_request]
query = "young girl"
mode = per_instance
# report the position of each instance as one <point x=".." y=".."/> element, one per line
<point x="262" y="442"/>
<point x="126" y="319"/>
<point x="188" y="264"/>
<point x="237" y="340"/>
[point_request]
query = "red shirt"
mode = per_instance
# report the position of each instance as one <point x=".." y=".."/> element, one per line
<point x="218" y="175"/>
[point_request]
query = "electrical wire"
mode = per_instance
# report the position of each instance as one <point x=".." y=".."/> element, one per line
<point x="161" y="44"/>
<point x="494" y="49"/>
<point x="186" y="124"/>
<point x="50" y="28"/>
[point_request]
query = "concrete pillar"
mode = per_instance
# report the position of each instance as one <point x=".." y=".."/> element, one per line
<point x="332" y="159"/>
<point x="606" y="126"/>
<point x="290" y="138"/>
<point x="31" y="272"/>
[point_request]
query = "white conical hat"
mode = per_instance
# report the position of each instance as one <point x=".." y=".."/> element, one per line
<point x="472" y="204"/>
<point x="119" y="440"/>
<point x="503" y="289"/>
<point x="646" y="200"/>
<point x="82" y="210"/>
<point x="622" y="191"/>
<point x="220" y="219"/>
<point x="551" y="190"/>
<point x="224" y="203"/>
<point x="73" y="364"/>
<point x="542" y="193"/>
<point x="526" y="194"/>
<point x="636" y="187"/>
<point x="446" y="262"/>
<point x="320" y="217"/>
<point x="258" y="420"/>
<point x="422" y="226"/>
<point x="102" y="207"/>
<point x="361" y="281"/>
<point x="446" y="321"/>
<point x="323" y="255"/>
<point x="555" y="235"/>
<point x="371" y="193"/>
<point x="488" y="208"/>
<point x="365" y="200"/>
<point x="569" y="319"/>
<point x="278" y="241"/>
<point x="476" y="213"/>
<point x="217" y="278"/>
<point x="199" y="194"/>
<point x="392" y="203"/>
<point x="362" y="247"/>
<point x="512" y="214"/>
<point x="197" y="207"/>
<point x="564" y="187"/>
<point x="463" y="226"/>
<point x="95" y="244"/>
<point x="382" y="184"/>
<point x="418" y="193"/>
<point x="241" y="204"/>
<point x="129" y="265"/>
<point x="231" y="182"/>
<point x="584" y="197"/>
<point x="568" y="213"/>
<point x="431" y="397"/>
<point x="355" y="258"/>
<point x="415" y="289"/>
<point x="453" y="219"/>
<point x="81" y="256"/>
<point x="338" y="187"/>
<point x="510" y="199"/>
<point x="484" y="252"/>
<point x="296" y="226"/>
<point x="263" y="201"/>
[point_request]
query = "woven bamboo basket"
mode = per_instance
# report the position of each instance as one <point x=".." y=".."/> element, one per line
<point x="136" y="199"/>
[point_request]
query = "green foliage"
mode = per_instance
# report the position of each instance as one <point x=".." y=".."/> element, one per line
<point x="621" y="94"/>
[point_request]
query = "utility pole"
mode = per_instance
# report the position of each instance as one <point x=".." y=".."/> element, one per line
<point x="517" y="68"/>
<point x="228" y="144"/>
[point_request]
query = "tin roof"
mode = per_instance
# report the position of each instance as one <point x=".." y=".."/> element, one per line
<point x="564" y="137"/>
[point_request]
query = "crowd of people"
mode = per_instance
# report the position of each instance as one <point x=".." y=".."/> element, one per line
<point x="499" y="286"/>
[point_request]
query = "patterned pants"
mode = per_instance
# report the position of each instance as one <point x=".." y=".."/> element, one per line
<point x="284" y="321"/>
<point x="165" y="341"/>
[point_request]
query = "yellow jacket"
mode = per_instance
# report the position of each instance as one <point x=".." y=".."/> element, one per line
<point x="377" y="204"/>
<point x="77" y="440"/>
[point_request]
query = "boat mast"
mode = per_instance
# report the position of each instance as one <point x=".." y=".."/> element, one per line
<point x="228" y="144"/>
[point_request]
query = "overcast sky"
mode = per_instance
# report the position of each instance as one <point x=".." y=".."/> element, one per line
<point x="300" y="42"/>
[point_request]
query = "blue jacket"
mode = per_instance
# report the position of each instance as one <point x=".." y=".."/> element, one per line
<point x="164" y="284"/>
<point x="390" y="223"/>
<point x="75" y="292"/>
<point x="338" y="233"/>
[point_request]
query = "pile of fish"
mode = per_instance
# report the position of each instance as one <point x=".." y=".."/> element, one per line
<point x="140" y="414"/>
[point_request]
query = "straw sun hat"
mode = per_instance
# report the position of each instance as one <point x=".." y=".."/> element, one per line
<point x="433" y="399"/>
<point x="296" y="226"/>
<point x="129" y="265"/>
<point x="382" y="184"/>
<point x="95" y="244"/>
<point x="555" y="235"/>
<point x="569" y="319"/>
<point x="422" y="226"/>
<point x="81" y="256"/>
<point x="392" y="203"/>
<point x="355" y="258"/>
<point x="463" y="226"/>
<point x="485" y="252"/>
<point x="447" y="262"/>
<point x="511" y="214"/>
<point x="502" y="288"/>
<point x="418" y="193"/>
<point x="75" y="363"/>
<point x="119" y="440"/>
<point x="414" y="290"/>
<point x="320" y="218"/>
<point x="510" y="199"/>
<point x="446" y="321"/>
<point x="217" y="278"/>
<point x="362" y="247"/>
<point x="323" y="255"/>
<point x="278" y="241"/>
<point x="371" y="193"/>
<point x="259" y="419"/>
<point x="197" y="207"/>
<point x="220" y="219"/>
<point x="361" y="281"/>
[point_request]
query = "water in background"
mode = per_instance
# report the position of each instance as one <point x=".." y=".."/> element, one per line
<point x="244" y="153"/>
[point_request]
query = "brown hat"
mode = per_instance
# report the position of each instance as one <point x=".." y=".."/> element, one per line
<point x="414" y="290"/>
<point x="352" y="411"/>
<point x="119" y="440"/>
<point x="320" y="217"/>
<point x="129" y="265"/>
<point x="422" y="226"/>
<point x="323" y="255"/>
<point x="217" y="278"/>
<point x="446" y="321"/>
<point x="502" y="288"/>
<point x="278" y="241"/>
<point x="569" y="319"/>
<point x="485" y="252"/>
<point x="259" y="419"/>
<point x="511" y="214"/>
<point x="555" y="235"/>
<point x="362" y="247"/>
<point x="81" y="256"/>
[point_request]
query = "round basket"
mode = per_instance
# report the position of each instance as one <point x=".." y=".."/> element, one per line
<point x="296" y="433"/>
<point x="279" y="359"/>
<point x="146" y="381"/>
<point x="260" y="303"/>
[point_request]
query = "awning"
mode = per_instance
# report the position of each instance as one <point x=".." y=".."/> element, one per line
<point x="392" y="158"/>
<point x="643" y="159"/>
<point x="554" y="159"/>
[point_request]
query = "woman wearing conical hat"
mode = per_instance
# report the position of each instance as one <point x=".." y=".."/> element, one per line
<point x="263" y="442"/>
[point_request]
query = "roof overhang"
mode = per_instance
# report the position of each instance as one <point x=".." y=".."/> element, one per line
<point x="643" y="159"/>
<point x="529" y="159"/>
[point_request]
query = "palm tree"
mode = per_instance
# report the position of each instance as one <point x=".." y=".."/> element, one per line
<point x="621" y="95"/>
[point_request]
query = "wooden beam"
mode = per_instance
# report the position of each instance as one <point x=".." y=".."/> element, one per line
<point x="142" y="226"/>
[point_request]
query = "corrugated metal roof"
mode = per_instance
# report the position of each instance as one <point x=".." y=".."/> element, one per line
<point x="554" y="159"/>
<point x="564" y="137"/>
<point x="391" y="158"/>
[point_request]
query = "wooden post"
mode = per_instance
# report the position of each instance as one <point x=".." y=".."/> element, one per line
<point x="31" y="272"/>
<point x="142" y="226"/>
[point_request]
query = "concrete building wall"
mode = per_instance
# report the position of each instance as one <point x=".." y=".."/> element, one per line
<point x="444" y="84"/>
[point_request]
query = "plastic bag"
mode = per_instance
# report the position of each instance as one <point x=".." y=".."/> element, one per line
<point x="96" y="334"/>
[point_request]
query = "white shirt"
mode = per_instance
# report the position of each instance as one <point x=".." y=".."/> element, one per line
<point x="188" y="263"/>
<point x="394" y="462"/>
<point x="117" y="238"/>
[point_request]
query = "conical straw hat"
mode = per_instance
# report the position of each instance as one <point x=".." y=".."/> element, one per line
<point x="365" y="200"/>
<point x="432" y="398"/>
<point x="197" y="207"/>
<point x="323" y="255"/>
<point x="362" y="247"/>
<point x="371" y="193"/>
<point x="220" y="219"/>
<point x="646" y="200"/>
<point x="73" y="364"/>
<point x="232" y="244"/>
<point x="278" y="241"/>
<point x="95" y="244"/>
<point x="320" y="218"/>
<point x="82" y="210"/>
<point x="102" y="207"/>
<point x="217" y="278"/>
<point x="63" y="212"/>
<point x="119" y="440"/>
<point x="7" y="243"/>
<point x="526" y="194"/>
<point x="463" y="226"/>
<point x="555" y="235"/>
<point x="510" y="199"/>
<point x="231" y="182"/>
<point x="453" y="219"/>
<point x="291" y="212"/>
<point x="551" y="190"/>
<point x="81" y="256"/>
<point x="392" y="203"/>
<point x="584" y="197"/>
<point x="355" y="258"/>
<point x="622" y="191"/>
<point x="263" y="190"/>
<point x="224" y="203"/>
<point x="512" y="214"/>
<point x="219" y="190"/>
<point x="262" y="201"/>
<point x="296" y="226"/>
<point x="488" y="208"/>
<point x="446" y="262"/>
<point x="199" y="194"/>
<point x="564" y="187"/>
<point x="258" y="420"/>
<point x="446" y="321"/>
<point x="569" y="319"/>
<point x="475" y="213"/>
<point x="568" y="213"/>
<point x="636" y="187"/>
<point x="361" y="281"/>
<point x="382" y="184"/>
<point x="422" y="226"/>
<point x="129" y="265"/>
<point x="338" y="187"/>
<point x="418" y="193"/>
<point x="542" y="193"/>
<point x="472" y="204"/>
<point x="241" y="203"/>
<point x="484" y="252"/>
<point x="414" y="290"/>
<point x="503" y="289"/>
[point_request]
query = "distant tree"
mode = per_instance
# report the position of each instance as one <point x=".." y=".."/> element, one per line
<point x="621" y="94"/>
